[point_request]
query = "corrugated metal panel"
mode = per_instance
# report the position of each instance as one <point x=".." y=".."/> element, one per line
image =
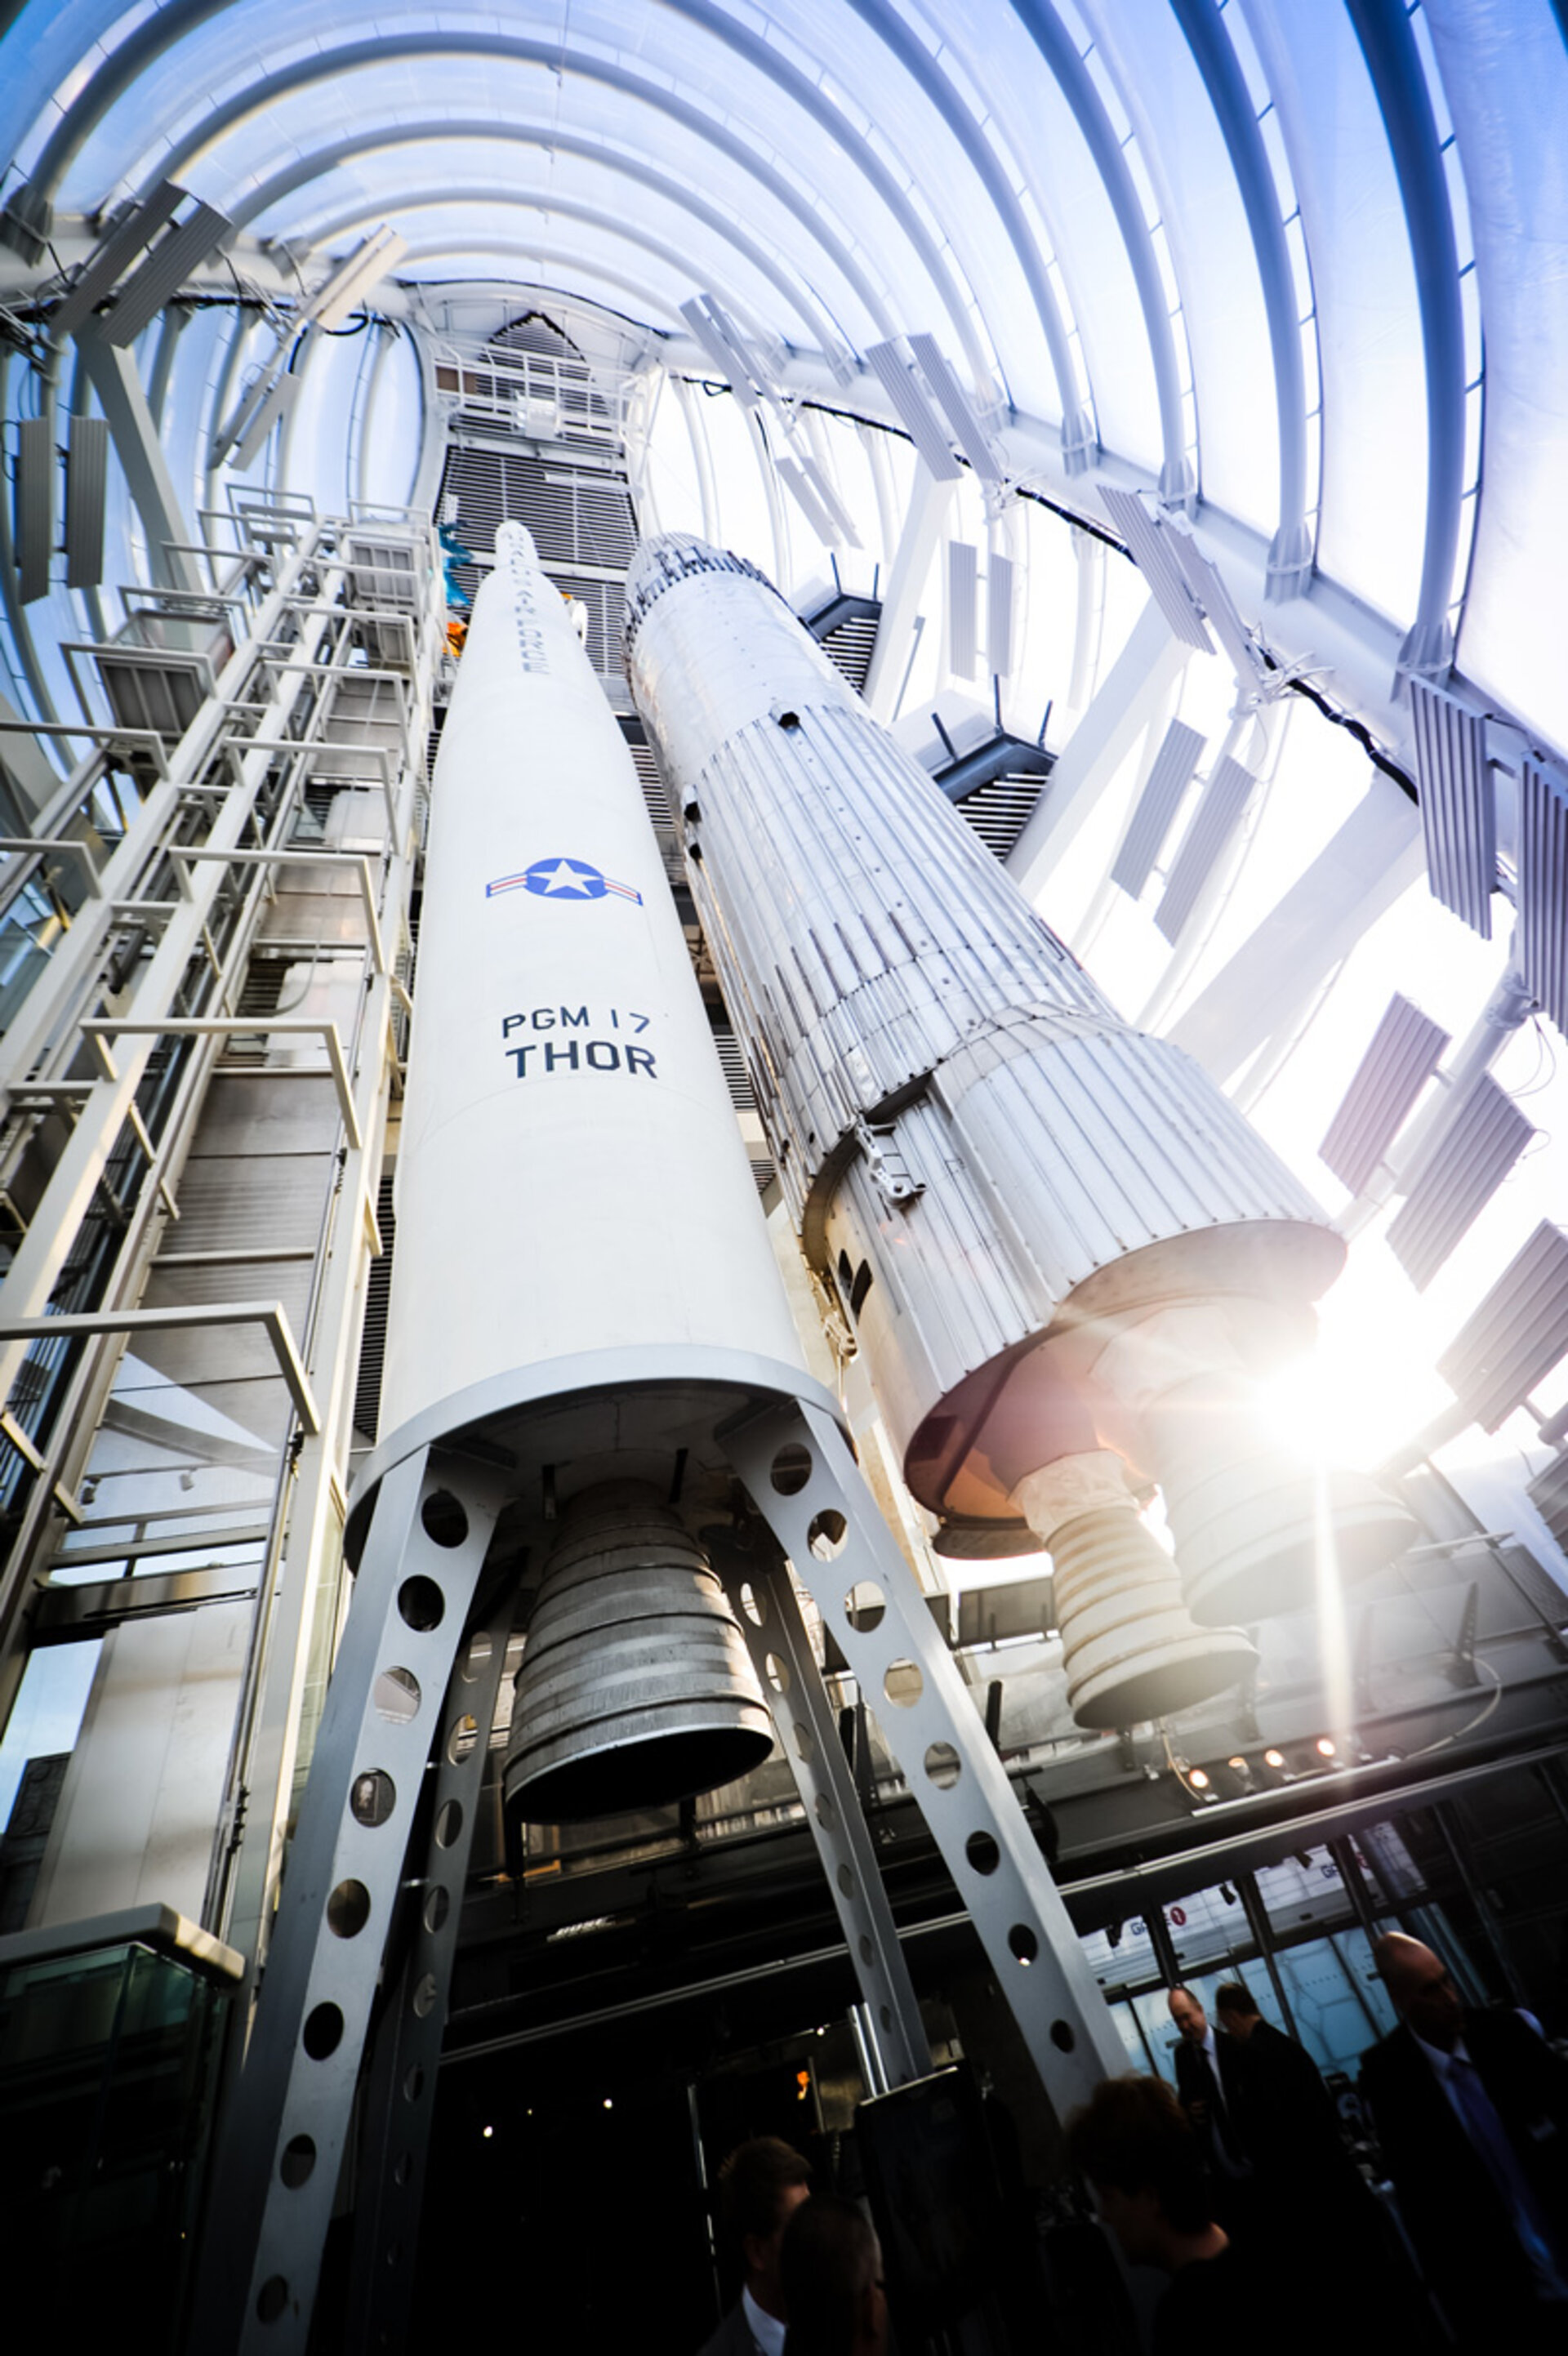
<point x="954" y="404"/>
<point x="1218" y="814"/>
<point x="962" y="579"/>
<point x="86" y="475"/>
<point x="999" y="615"/>
<point x="165" y="270"/>
<point x="115" y="255"/>
<point x="1157" y="565"/>
<point x="1403" y="1054"/>
<point x="915" y="414"/>
<point x="1157" y="806"/>
<point x="1542" y="948"/>
<point x="1458" y="807"/>
<point x="35" y="505"/>
<point x="1548" y="1493"/>
<point x="1517" y="1335"/>
<point x="1487" y="1137"/>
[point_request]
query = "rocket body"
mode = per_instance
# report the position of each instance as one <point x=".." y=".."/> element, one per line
<point x="1063" y="1250"/>
<point x="571" y="1179"/>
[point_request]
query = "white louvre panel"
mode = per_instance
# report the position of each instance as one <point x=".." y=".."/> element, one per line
<point x="1152" y="555"/>
<point x="1403" y="1054"/>
<point x="831" y="505"/>
<point x="999" y="615"/>
<point x="116" y="253"/>
<point x="1157" y="806"/>
<point x="166" y="269"/>
<point x="961" y="606"/>
<point x="1485" y="1140"/>
<point x="1548" y="1493"/>
<point x="806" y="500"/>
<point x="86" y="473"/>
<point x="954" y="404"/>
<point x="35" y="507"/>
<point x="278" y="404"/>
<point x="1458" y="808"/>
<point x="1542" y="948"/>
<point x="1214" y="821"/>
<point x="726" y="356"/>
<point x="1209" y="591"/>
<point x="1517" y="1335"/>
<point x="915" y="412"/>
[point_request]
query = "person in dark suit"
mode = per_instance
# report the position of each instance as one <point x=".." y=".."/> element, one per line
<point x="760" y="2186"/>
<point x="1286" y="2118"/>
<point x="1471" y="2110"/>
<point x="1206" y="2076"/>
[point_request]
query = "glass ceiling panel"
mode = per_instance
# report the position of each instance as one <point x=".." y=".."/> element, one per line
<point x="1507" y="90"/>
<point x="1374" y="385"/>
<point x="1206" y="223"/>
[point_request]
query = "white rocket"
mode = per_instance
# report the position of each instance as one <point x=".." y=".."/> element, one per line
<point x="582" y="1278"/>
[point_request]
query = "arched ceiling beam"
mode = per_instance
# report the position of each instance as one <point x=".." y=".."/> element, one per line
<point x="392" y="48"/>
<point x="161" y="32"/>
<point x="380" y="139"/>
<point x="1055" y="44"/>
<point x="1079" y="437"/>
<point x="1290" y="557"/>
<point x="440" y="249"/>
<point x="1399" y="82"/>
<point x="365" y="213"/>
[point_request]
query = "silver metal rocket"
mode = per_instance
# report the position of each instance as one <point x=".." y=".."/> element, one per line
<point x="1065" y="1254"/>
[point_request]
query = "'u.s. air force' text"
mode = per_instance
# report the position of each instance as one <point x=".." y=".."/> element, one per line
<point x="535" y="1058"/>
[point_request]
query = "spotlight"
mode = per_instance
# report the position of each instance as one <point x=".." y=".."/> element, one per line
<point x="1113" y="1934"/>
<point x="1325" y="1747"/>
<point x="487" y="2133"/>
<point x="1198" y="1780"/>
<point x="1303" y="1859"/>
<point x="1227" y="1894"/>
<point x="609" y="2104"/>
<point x="1273" y="1758"/>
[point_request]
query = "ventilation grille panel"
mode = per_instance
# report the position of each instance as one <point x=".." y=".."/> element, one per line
<point x="1544" y="891"/>
<point x="1403" y="1054"/>
<point x="1215" y="820"/>
<point x="1517" y="1335"/>
<point x="1474" y="1157"/>
<point x="1150" y="553"/>
<point x="1157" y="806"/>
<point x="1458" y="810"/>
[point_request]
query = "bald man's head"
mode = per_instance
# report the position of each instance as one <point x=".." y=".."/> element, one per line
<point x="1420" y="1989"/>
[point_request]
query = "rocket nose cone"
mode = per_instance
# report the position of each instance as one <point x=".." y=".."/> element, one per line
<point x="515" y="540"/>
<point x="661" y="561"/>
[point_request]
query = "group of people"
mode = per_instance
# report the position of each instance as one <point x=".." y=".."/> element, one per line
<point x="1239" y="2187"/>
<point x="1243" y="2173"/>
<point x="808" y="2257"/>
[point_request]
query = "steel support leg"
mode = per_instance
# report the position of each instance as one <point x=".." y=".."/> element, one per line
<point x="271" y="2196"/>
<point x="798" y="1469"/>
<point x="759" y="1589"/>
<point x="406" y="2047"/>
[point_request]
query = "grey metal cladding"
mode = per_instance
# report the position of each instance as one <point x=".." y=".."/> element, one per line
<point x="114" y="257"/>
<point x="35" y="505"/>
<point x="1542" y="945"/>
<point x="1478" y="1149"/>
<point x="1518" y="1334"/>
<point x="1404" y="1052"/>
<point x="1219" y="813"/>
<point x="1157" y="805"/>
<point x="998" y="613"/>
<point x="1458" y="807"/>
<point x="915" y="412"/>
<point x="1152" y="555"/>
<point x="87" y="468"/>
<point x="165" y="271"/>
<point x="962" y="580"/>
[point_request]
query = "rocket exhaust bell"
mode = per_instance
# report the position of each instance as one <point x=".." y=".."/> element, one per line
<point x="636" y="1687"/>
